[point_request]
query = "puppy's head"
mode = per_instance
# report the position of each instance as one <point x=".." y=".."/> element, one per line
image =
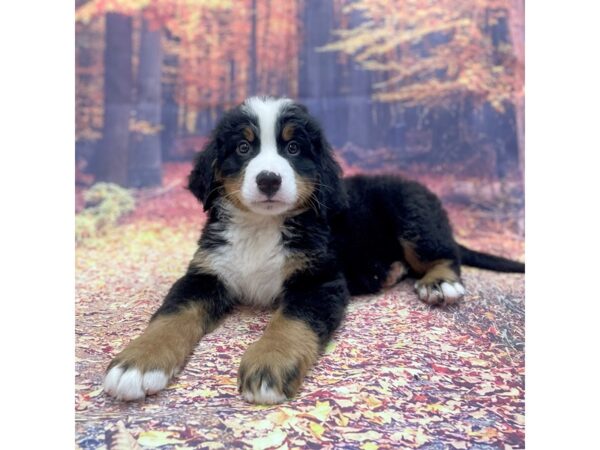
<point x="268" y="156"/>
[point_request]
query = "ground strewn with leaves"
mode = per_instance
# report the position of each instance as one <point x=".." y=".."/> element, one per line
<point x="397" y="374"/>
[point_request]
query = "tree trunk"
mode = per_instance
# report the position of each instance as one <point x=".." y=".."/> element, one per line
<point x="517" y="37"/>
<point x="232" y="83"/>
<point x="264" y="82"/>
<point x="359" y="99"/>
<point x="319" y="73"/>
<point x="146" y="159"/>
<point x="169" y="109"/>
<point x="252" y="76"/>
<point x="110" y="163"/>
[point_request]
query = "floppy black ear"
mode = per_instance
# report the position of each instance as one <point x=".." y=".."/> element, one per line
<point x="330" y="190"/>
<point x="202" y="180"/>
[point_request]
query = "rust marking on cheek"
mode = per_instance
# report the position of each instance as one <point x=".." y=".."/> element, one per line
<point x="233" y="191"/>
<point x="288" y="132"/>
<point x="305" y="188"/>
<point x="248" y="134"/>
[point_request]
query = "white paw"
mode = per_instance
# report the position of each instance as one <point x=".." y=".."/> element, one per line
<point x="444" y="293"/>
<point x="265" y="395"/>
<point x="131" y="384"/>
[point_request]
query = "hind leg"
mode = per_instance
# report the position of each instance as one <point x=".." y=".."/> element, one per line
<point x="440" y="282"/>
<point x="428" y="245"/>
<point x="396" y="273"/>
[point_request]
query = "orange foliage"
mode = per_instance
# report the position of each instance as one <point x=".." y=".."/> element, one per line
<point x="88" y="72"/>
<point x="211" y="40"/>
<point x="427" y="52"/>
<point x="422" y="52"/>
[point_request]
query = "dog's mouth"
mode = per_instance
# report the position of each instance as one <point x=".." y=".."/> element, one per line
<point x="269" y="203"/>
<point x="270" y="206"/>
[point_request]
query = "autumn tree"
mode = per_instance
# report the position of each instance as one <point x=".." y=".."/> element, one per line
<point x="89" y="99"/>
<point x="129" y="153"/>
<point x="430" y="51"/>
<point x="429" y="54"/>
<point x="228" y="53"/>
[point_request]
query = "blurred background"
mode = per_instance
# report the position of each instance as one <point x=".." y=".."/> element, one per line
<point x="429" y="89"/>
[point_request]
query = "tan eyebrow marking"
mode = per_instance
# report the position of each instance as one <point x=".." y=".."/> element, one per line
<point x="248" y="134"/>
<point x="288" y="132"/>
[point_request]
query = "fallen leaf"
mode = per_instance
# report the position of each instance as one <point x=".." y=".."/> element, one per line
<point x="321" y="411"/>
<point x="317" y="429"/>
<point x="155" y="439"/>
<point x="369" y="435"/>
<point x="123" y="440"/>
<point x="273" y="439"/>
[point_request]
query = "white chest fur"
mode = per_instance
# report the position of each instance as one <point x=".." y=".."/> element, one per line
<point x="251" y="264"/>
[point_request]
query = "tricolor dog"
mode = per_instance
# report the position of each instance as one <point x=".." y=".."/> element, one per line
<point x="285" y="230"/>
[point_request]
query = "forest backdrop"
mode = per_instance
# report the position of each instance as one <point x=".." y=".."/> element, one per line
<point x="432" y="89"/>
<point x="417" y="86"/>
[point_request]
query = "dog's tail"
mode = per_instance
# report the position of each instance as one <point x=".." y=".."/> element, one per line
<point x="490" y="262"/>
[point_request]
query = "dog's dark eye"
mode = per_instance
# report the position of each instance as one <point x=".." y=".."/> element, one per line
<point x="243" y="148"/>
<point x="293" y="148"/>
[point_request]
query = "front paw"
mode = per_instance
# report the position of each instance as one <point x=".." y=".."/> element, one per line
<point x="269" y="377"/>
<point x="273" y="368"/>
<point x="135" y="373"/>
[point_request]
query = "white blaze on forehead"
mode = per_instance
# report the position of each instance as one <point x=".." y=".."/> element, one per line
<point x="267" y="111"/>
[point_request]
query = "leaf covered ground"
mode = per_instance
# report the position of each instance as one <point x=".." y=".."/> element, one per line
<point x="398" y="374"/>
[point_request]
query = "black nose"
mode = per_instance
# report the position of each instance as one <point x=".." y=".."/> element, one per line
<point x="268" y="182"/>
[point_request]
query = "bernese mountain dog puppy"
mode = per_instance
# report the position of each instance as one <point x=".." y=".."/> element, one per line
<point x="285" y="230"/>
